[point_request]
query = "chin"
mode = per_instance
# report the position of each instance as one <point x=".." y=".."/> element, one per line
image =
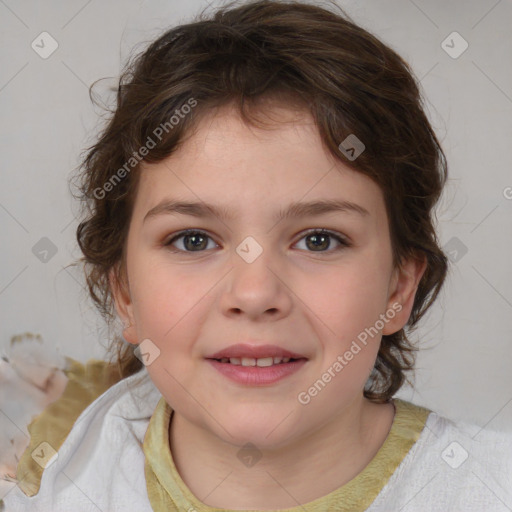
<point x="267" y="431"/>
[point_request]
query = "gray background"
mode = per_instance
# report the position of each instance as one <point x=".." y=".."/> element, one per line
<point x="47" y="119"/>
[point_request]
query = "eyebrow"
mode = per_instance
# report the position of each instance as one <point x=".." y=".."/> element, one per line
<point x="296" y="209"/>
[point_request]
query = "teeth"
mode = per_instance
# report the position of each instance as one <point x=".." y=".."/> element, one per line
<point x="251" y="361"/>
<point x="266" y="361"/>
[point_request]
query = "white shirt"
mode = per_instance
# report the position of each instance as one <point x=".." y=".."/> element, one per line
<point x="100" y="465"/>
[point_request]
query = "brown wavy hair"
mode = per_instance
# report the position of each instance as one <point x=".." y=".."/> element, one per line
<point x="297" y="53"/>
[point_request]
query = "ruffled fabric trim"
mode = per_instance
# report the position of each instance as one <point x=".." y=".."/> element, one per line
<point x="86" y="383"/>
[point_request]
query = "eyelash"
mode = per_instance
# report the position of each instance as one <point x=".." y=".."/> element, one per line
<point x="344" y="243"/>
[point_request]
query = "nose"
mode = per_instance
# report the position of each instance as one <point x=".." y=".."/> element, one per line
<point x="258" y="289"/>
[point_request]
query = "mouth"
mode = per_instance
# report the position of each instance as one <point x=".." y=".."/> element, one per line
<point x="256" y="365"/>
<point x="255" y="355"/>
<point x="261" y="362"/>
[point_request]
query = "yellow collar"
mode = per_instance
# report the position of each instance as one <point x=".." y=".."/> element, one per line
<point x="168" y="492"/>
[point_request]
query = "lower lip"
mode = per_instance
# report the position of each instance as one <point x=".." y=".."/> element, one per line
<point x="256" y="375"/>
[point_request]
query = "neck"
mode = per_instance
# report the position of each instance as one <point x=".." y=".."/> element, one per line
<point x="282" y="478"/>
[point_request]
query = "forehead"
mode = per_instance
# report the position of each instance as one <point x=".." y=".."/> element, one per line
<point x="227" y="162"/>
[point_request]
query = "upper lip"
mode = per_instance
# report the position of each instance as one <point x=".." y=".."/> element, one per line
<point x="255" y="351"/>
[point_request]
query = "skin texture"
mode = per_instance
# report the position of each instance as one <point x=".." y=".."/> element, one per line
<point x="314" y="301"/>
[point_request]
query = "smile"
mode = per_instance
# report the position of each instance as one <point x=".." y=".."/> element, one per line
<point x="257" y="372"/>
<point x="260" y="362"/>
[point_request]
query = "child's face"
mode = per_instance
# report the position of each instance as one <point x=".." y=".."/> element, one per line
<point x="301" y="294"/>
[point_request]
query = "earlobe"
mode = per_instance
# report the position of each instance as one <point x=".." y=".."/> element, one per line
<point x="123" y="305"/>
<point x="405" y="283"/>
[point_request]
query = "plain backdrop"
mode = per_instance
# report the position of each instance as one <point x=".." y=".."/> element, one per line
<point x="47" y="119"/>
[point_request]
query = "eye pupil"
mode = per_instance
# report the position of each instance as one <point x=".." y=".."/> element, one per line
<point x="320" y="240"/>
<point x="194" y="238"/>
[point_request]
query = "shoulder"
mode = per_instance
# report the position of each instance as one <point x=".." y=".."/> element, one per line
<point x="463" y="441"/>
<point x="100" y="458"/>
<point x="453" y="466"/>
<point x="49" y="430"/>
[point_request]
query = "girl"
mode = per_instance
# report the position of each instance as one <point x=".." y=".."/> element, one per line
<point x="259" y="214"/>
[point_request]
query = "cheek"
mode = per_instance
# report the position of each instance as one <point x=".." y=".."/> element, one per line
<point x="168" y="301"/>
<point x="347" y="298"/>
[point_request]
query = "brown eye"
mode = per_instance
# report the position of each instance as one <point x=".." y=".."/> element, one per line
<point x="193" y="241"/>
<point x="320" y="240"/>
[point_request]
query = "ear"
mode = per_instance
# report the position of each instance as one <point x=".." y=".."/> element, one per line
<point x="119" y="288"/>
<point x="403" y="286"/>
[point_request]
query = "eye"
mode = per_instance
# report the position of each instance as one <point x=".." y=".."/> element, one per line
<point x="320" y="240"/>
<point x="317" y="240"/>
<point x="193" y="240"/>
